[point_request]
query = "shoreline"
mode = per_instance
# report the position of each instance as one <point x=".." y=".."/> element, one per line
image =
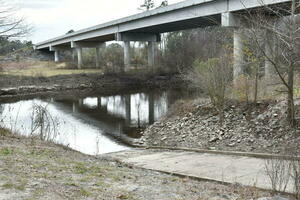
<point x="83" y="84"/>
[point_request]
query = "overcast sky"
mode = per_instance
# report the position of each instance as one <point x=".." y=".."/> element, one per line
<point x="51" y="18"/>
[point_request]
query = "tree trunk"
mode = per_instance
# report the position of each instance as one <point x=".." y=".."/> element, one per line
<point x="256" y="83"/>
<point x="291" y="106"/>
<point x="221" y="114"/>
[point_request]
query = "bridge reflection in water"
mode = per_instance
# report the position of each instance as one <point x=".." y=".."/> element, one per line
<point x="95" y="124"/>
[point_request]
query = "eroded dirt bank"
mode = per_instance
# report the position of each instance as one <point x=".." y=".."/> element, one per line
<point x="260" y="128"/>
<point x="32" y="169"/>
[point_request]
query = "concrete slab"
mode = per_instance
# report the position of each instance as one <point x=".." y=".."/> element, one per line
<point x="243" y="170"/>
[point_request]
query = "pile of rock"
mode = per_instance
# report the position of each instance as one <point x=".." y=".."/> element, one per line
<point x="260" y="128"/>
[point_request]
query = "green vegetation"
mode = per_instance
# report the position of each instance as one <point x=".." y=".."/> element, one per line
<point x="6" y="151"/>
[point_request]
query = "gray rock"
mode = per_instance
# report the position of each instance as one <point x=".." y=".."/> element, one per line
<point x="273" y="198"/>
<point x="213" y="139"/>
<point x="231" y="145"/>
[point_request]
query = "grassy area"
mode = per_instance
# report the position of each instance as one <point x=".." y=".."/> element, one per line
<point x="32" y="169"/>
<point x="45" y="69"/>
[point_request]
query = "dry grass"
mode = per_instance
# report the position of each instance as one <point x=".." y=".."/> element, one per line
<point x="41" y="68"/>
<point x="32" y="169"/>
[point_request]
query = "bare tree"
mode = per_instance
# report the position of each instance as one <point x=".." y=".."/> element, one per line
<point x="12" y="26"/>
<point x="282" y="26"/>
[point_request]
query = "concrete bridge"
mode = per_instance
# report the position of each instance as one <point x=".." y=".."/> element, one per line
<point x="148" y="26"/>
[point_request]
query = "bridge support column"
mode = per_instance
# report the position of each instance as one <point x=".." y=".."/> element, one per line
<point x="234" y="21"/>
<point x="97" y="57"/>
<point x="87" y="44"/>
<point x="80" y="102"/>
<point x="73" y="55"/>
<point x="56" y="56"/>
<point x="270" y="51"/>
<point x="57" y="50"/>
<point x="151" y="108"/>
<point x="238" y="65"/>
<point x="75" y="107"/>
<point x="128" y="109"/>
<point x="99" y="47"/>
<point x="151" y="38"/>
<point x="151" y="53"/>
<point x="99" y="102"/>
<point x="127" y="56"/>
<point x="79" y="57"/>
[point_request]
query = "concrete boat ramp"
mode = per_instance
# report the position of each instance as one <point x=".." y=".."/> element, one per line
<point x="247" y="171"/>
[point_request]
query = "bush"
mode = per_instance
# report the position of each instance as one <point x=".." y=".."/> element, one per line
<point x="214" y="77"/>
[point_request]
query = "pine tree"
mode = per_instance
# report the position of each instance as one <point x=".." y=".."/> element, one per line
<point x="164" y="3"/>
<point x="148" y="4"/>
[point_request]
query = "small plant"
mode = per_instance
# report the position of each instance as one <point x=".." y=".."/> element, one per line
<point x="295" y="173"/>
<point x="84" y="192"/>
<point x="80" y="168"/>
<point x="43" y="123"/>
<point x="242" y="88"/>
<point x="3" y="132"/>
<point x="285" y="172"/>
<point x="278" y="170"/>
<point x="6" y="152"/>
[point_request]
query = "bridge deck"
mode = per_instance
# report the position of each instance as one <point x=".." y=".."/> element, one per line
<point x="184" y="15"/>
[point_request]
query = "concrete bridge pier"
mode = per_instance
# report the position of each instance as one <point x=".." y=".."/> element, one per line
<point x="57" y="50"/>
<point x="87" y="44"/>
<point x="99" y="102"/>
<point x="151" y="108"/>
<point x="128" y="109"/>
<point x="270" y="50"/>
<point x="79" y="57"/>
<point x="151" y="38"/>
<point x="80" y="102"/>
<point x="238" y="55"/>
<point x="152" y="47"/>
<point x="56" y="53"/>
<point x="73" y="52"/>
<point x="127" y="56"/>
<point x="56" y="56"/>
<point x="236" y="22"/>
<point x="74" y="107"/>
<point x="97" y="57"/>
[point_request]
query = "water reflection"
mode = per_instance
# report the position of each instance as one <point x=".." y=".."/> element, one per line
<point x="92" y="125"/>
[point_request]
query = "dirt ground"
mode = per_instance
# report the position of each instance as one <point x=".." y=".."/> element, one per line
<point x="32" y="169"/>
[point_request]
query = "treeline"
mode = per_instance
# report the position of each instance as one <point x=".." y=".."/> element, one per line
<point x="10" y="46"/>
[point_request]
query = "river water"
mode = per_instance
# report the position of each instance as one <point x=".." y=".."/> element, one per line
<point x="92" y="125"/>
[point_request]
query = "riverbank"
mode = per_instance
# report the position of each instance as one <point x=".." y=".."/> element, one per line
<point x="77" y="84"/>
<point x="260" y="128"/>
<point x="33" y="169"/>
